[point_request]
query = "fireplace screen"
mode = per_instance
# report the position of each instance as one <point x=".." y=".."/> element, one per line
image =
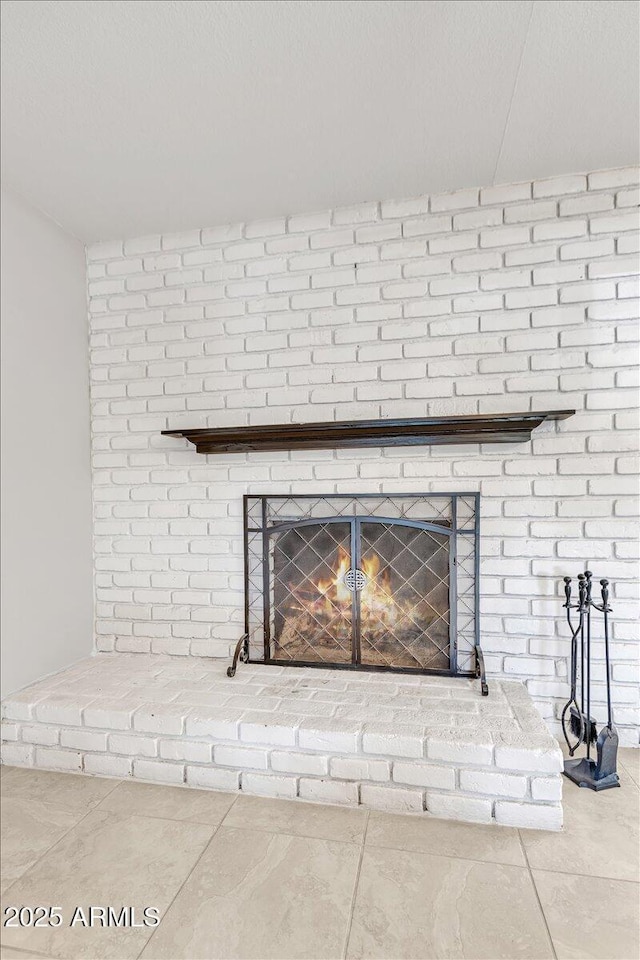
<point x="376" y="582"/>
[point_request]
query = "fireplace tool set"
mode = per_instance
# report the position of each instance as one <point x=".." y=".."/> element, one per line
<point x="578" y="725"/>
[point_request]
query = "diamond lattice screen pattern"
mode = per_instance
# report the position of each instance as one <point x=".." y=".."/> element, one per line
<point x="367" y="583"/>
<point x="410" y="625"/>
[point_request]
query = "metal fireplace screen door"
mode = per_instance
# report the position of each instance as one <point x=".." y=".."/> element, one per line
<point x="366" y="591"/>
<point x="363" y="581"/>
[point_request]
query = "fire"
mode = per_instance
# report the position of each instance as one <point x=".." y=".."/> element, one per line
<point x="327" y="598"/>
<point x="315" y="618"/>
<point x="334" y="589"/>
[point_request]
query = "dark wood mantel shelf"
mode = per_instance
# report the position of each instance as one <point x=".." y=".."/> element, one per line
<point x="476" y="428"/>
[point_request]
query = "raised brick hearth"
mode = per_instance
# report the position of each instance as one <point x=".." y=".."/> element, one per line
<point x="401" y="743"/>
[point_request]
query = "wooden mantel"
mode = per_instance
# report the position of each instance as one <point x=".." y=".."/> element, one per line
<point x="475" y="428"/>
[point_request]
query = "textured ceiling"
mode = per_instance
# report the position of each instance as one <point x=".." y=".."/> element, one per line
<point x="123" y="117"/>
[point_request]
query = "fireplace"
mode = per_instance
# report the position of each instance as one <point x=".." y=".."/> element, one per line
<point x="363" y="582"/>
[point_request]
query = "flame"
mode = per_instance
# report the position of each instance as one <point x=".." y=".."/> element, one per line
<point x="325" y="598"/>
<point x="335" y="589"/>
<point x="316" y="621"/>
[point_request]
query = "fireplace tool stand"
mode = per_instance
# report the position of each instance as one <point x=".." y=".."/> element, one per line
<point x="577" y="723"/>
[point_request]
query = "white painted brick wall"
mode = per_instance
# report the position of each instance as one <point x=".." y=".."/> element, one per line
<point x="502" y="299"/>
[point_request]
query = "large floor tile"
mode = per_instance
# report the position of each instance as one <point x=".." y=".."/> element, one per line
<point x="590" y="918"/>
<point x="260" y="895"/>
<point x="446" y="838"/>
<point x="629" y="760"/>
<point x="169" y="803"/>
<point x="107" y="860"/>
<point x="414" y="905"/>
<point x="7" y="773"/>
<point x="75" y="791"/>
<point x="300" y="819"/>
<point x="600" y="836"/>
<point x="28" y="828"/>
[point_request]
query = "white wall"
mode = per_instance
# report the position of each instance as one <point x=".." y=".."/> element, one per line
<point x="509" y="298"/>
<point x="46" y="488"/>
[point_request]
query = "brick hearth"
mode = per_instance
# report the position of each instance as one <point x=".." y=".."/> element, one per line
<point x="401" y="743"/>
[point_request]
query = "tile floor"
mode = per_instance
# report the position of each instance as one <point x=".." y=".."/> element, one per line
<point x="246" y="877"/>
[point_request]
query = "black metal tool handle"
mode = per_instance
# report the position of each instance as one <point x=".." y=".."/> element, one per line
<point x="572" y="701"/>
<point x="567" y="599"/>
<point x="581" y="598"/>
<point x="575" y="632"/>
<point x="605" y="596"/>
<point x="587" y="602"/>
<point x="606" y="610"/>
